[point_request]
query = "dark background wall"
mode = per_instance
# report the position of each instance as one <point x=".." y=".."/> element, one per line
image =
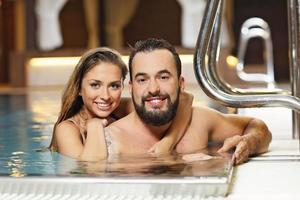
<point x="6" y="37"/>
<point x="274" y="12"/>
<point x="152" y="19"/>
<point x="155" y="18"/>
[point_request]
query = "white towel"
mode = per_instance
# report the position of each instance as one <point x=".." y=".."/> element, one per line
<point x="48" y="28"/>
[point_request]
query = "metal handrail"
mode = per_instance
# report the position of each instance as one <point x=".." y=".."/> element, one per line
<point x="294" y="55"/>
<point x="204" y="67"/>
<point x="212" y="67"/>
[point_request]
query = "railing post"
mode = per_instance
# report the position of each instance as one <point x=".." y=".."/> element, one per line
<point x="294" y="57"/>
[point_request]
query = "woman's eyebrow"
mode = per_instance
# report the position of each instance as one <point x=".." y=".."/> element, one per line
<point x="118" y="81"/>
<point x="95" y="80"/>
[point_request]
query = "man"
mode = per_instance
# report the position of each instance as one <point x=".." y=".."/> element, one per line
<point x="155" y="84"/>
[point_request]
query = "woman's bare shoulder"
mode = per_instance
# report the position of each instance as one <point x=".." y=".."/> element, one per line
<point x="66" y="127"/>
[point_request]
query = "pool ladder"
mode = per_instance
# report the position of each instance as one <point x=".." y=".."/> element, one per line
<point x="205" y="66"/>
<point x="256" y="28"/>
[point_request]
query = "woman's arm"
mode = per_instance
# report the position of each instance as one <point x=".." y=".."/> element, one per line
<point x="125" y="107"/>
<point x="178" y="126"/>
<point x="69" y="141"/>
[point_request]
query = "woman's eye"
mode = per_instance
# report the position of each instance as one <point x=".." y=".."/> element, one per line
<point x="116" y="86"/>
<point x="95" y="85"/>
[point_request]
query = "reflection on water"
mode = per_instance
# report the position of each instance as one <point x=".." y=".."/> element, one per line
<point x="149" y="166"/>
<point x="25" y="132"/>
<point x="46" y="163"/>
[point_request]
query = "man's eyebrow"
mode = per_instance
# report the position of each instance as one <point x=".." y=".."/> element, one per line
<point x="140" y="74"/>
<point x="164" y="71"/>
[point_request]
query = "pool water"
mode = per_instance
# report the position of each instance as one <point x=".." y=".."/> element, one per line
<point x="26" y="122"/>
<point x="28" y="169"/>
<point x="25" y="132"/>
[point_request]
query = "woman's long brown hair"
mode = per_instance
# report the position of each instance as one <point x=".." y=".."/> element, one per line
<point x="71" y="101"/>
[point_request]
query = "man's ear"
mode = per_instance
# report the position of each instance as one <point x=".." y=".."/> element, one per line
<point x="181" y="83"/>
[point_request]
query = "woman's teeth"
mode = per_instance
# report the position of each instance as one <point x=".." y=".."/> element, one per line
<point x="103" y="105"/>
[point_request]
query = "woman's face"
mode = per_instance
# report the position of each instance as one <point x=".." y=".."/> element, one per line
<point x="101" y="89"/>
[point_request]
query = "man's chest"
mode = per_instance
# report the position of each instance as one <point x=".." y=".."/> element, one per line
<point x="132" y="144"/>
<point x="192" y="141"/>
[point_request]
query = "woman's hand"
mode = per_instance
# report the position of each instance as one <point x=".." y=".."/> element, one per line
<point x="95" y="145"/>
<point x="96" y="123"/>
<point x="242" y="148"/>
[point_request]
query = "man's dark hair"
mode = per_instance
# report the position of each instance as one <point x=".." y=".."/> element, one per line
<point x="152" y="44"/>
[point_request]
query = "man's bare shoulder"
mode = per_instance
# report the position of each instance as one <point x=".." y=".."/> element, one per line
<point x="203" y="116"/>
<point x="204" y="111"/>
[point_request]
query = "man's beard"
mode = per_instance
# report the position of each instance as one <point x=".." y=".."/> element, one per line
<point x="157" y="117"/>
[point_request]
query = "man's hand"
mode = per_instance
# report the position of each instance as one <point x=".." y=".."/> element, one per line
<point x="242" y="148"/>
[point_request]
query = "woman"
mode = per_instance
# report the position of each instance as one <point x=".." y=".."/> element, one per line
<point x="92" y="99"/>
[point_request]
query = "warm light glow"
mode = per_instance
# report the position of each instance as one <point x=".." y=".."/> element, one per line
<point x="72" y="61"/>
<point x="53" y="61"/>
<point x="231" y="61"/>
<point x="58" y="61"/>
<point x="186" y="58"/>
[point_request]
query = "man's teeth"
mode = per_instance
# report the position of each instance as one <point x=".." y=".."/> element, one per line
<point x="155" y="100"/>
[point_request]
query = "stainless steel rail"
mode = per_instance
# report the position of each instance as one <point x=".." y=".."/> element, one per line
<point x="294" y="56"/>
<point x="205" y="60"/>
<point x="211" y="68"/>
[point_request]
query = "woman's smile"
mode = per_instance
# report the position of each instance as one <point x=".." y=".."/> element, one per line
<point x="104" y="106"/>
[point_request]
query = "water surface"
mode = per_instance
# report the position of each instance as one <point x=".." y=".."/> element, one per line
<point x="26" y="122"/>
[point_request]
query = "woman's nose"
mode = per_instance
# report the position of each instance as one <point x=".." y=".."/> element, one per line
<point x="104" y="94"/>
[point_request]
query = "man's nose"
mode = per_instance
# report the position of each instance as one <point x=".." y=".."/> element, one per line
<point x="153" y="87"/>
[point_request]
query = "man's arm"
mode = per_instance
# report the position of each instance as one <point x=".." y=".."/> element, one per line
<point x="255" y="139"/>
<point x="178" y="126"/>
<point x="249" y="136"/>
<point x="125" y="107"/>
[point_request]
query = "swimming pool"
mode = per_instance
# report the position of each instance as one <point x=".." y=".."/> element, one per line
<point x="28" y="167"/>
